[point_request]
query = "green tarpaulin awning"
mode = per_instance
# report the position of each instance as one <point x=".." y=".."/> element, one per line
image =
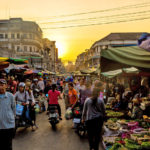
<point x="111" y="74"/>
<point x="124" y="57"/>
<point x="131" y="70"/>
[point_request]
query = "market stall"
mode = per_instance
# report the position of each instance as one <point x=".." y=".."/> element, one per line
<point x="128" y="115"/>
<point x="124" y="57"/>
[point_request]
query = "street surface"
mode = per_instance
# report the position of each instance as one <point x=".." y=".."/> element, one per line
<point x="44" y="138"/>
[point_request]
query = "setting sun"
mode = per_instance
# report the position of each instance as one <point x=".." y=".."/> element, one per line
<point x="61" y="50"/>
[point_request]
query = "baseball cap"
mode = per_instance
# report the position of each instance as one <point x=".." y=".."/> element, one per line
<point x="3" y="81"/>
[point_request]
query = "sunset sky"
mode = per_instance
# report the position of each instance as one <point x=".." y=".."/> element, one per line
<point x="71" y="41"/>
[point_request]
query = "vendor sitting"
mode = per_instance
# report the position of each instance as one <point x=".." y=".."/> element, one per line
<point x="143" y="92"/>
<point x="117" y="103"/>
<point x="136" y="112"/>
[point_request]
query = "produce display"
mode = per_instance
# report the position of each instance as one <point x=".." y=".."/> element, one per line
<point x="121" y="132"/>
<point x="145" y="145"/>
<point x="112" y="125"/>
<point x="132" y="145"/>
<point x="118" y="146"/>
<point x="108" y="106"/>
<point x="111" y="113"/>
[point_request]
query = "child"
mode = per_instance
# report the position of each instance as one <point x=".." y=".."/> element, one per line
<point x="41" y="99"/>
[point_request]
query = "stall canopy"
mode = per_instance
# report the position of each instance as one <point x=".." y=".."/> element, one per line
<point x="3" y="59"/>
<point x="124" y="57"/>
<point x="88" y="71"/>
<point x="111" y="74"/>
<point x="17" y="61"/>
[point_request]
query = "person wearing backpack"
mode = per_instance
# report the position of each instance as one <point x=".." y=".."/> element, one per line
<point x="7" y="116"/>
<point x="93" y="115"/>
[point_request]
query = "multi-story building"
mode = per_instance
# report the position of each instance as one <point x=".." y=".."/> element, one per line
<point x="92" y="55"/>
<point x="21" y="39"/>
<point x="53" y="55"/>
<point x="50" y="55"/>
<point x="80" y="61"/>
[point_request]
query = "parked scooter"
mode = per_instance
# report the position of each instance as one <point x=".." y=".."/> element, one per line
<point x="80" y="127"/>
<point x="53" y="116"/>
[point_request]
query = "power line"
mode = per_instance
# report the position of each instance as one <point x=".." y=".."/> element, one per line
<point x="92" y="24"/>
<point x="100" y="17"/>
<point x="98" y="11"/>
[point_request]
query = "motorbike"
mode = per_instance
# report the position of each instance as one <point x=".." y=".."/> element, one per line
<point x="20" y="120"/>
<point x="53" y="116"/>
<point x="80" y="128"/>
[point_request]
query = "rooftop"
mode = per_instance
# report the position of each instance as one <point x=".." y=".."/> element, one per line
<point x="121" y="37"/>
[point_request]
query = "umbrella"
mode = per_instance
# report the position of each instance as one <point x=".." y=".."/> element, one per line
<point x="28" y="72"/>
<point x="3" y="65"/>
<point x="3" y="59"/>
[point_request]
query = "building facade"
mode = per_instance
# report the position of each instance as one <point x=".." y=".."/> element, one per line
<point x="91" y="58"/>
<point x="22" y="39"/>
<point x="50" y="55"/>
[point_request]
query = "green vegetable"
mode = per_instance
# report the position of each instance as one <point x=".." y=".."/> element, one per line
<point x="114" y="119"/>
<point x="118" y="139"/>
<point x="116" y="146"/>
<point x="114" y="114"/>
<point x="132" y="145"/>
<point x="145" y="145"/>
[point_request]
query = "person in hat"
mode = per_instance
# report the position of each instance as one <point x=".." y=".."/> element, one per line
<point x="7" y="116"/>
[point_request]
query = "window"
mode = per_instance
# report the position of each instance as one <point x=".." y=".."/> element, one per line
<point x="18" y="48"/>
<point x="6" y="36"/>
<point x="18" y="36"/>
<point x="1" y="36"/>
<point x="30" y="49"/>
<point x="12" y="36"/>
<point x="25" y="48"/>
<point x="25" y="36"/>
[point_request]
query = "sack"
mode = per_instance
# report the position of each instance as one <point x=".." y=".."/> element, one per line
<point x="19" y="109"/>
<point x="69" y="114"/>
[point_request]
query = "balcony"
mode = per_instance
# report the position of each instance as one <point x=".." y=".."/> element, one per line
<point x="29" y="53"/>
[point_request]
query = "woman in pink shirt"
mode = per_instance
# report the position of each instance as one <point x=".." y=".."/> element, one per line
<point x="53" y="96"/>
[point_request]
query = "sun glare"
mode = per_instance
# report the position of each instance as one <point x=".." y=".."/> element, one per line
<point x="61" y="50"/>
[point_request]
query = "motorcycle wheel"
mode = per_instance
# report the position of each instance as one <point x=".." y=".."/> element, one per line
<point x="81" y="132"/>
<point x="53" y="126"/>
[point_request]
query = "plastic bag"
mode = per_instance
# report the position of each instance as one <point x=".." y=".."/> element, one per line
<point x="69" y="114"/>
<point x="19" y="109"/>
<point x="37" y="108"/>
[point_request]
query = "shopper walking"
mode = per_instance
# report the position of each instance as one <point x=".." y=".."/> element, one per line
<point x="93" y="114"/>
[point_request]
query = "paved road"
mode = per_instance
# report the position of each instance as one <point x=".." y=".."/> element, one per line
<point x="44" y="138"/>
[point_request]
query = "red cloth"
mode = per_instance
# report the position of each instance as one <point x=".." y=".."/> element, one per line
<point x="53" y="97"/>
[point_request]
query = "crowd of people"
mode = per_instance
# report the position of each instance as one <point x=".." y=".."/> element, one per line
<point x="129" y="98"/>
<point x="48" y="91"/>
